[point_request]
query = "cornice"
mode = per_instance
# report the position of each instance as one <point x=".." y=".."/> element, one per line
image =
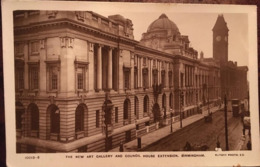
<point x="71" y="24"/>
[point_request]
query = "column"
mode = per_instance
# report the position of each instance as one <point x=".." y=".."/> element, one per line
<point x="166" y="75"/>
<point x="120" y="71"/>
<point x="132" y="70"/>
<point x="138" y="71"/>
<point x="26" y="70"/>
<point x="141" y="72"/>
<point x="110" y="77"/>
<point x="91" y="73"/>
<point x="149" y="72"/>
<point x="159" y="72"/>
<point x="99" y="68"/>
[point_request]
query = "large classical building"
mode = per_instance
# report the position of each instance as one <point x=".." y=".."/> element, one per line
<point x="83" y="84"/>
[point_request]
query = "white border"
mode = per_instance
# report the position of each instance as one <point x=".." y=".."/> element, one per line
<point x="250" y="158"/>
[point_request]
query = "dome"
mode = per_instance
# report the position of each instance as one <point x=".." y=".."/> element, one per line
<point x="162" y="23"/>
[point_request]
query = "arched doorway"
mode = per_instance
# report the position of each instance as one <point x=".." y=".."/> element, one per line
<point x="54" y="121"/>
<point x="156" y="112"/>
<point x="33" y="112"/>
<point x="80" y="117"/>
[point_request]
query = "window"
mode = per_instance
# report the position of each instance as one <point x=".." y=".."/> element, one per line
<point x="79" y="118"/>
<point x="80" y="78"/>
<point x="97" y="118"/>
<point x="80" y="81"/>
<point x="145" y="78"/>
<point x="136" y="78"/>
<point x="116" y="114"/>
<point x="163" y="78"/>
<point x="53" y="78"/>
<point x="33" y="77"/>
<point x="127" y="78"/>
<point x="146" y="104"/>
<point x="35" y="47"/>
<point x="19" y="77"/>
<point x="155" y="77"/>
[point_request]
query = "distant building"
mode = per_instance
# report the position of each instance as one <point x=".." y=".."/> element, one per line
<point x="233" y="77"/>
<point x="84" y="84"/>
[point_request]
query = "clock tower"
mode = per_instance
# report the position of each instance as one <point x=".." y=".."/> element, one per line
<point x="220" y="40"/>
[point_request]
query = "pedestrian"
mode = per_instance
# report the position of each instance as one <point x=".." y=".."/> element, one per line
<point x="249" y="145"/>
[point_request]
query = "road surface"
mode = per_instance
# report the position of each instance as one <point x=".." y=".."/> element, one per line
<point x="201" y="133"/>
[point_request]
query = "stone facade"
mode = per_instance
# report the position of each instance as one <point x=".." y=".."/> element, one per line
<point x="83" y="84"/>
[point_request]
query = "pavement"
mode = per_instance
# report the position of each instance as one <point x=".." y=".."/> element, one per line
<point x="155" y="136"/>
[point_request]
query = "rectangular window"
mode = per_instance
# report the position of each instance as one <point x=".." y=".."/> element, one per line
<point x="116" y="114"/>
<point x="53" y="78"/>
<point x="80" y="81"/>
<point x="34" y="77"/>
<point x="80" y="78"/>
<point x="97" y="119"/>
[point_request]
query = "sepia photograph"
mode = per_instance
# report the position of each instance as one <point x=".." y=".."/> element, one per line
<point x="100" y="80"/>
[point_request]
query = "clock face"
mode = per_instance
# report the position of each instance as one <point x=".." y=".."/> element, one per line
<point x="218" y="38"/>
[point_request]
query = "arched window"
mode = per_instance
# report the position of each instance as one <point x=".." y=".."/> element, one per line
<point x="171" y="101"/>
<point x="18" y="114"/>
<point x="55" y="119"/>
<point x="146" y="104"/>
<point x="136" y="108"/>
<point x="79" y="118"/>
<point x="34" y="113"/>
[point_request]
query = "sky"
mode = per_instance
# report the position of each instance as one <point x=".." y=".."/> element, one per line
<point x="198" y="26"/>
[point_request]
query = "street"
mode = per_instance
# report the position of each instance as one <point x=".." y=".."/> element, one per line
<point x="201" y="133"/>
